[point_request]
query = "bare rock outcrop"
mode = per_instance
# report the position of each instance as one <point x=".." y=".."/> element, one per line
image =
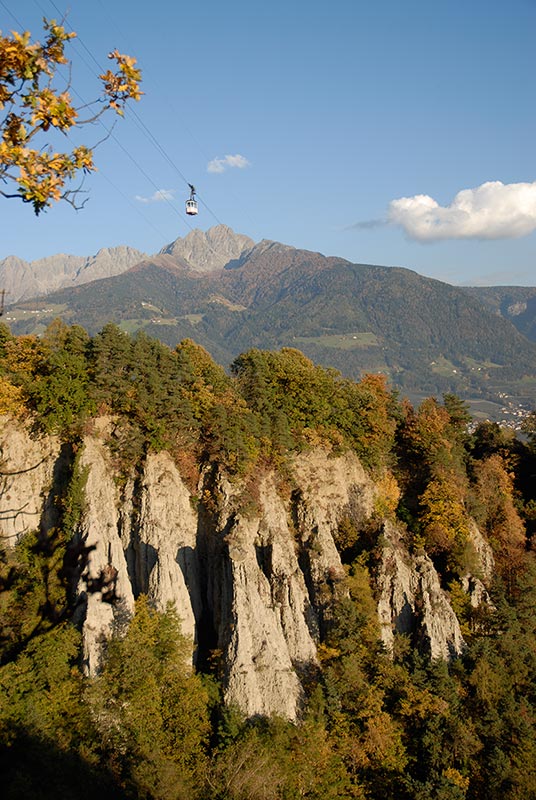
<point x="251" y="568"/>
<point x="23" y="280"/>
<point x="104" y="586"/>
<point x="161" y="546"/>
<point x="258" y="601"/>
<point x="476" y="582"/>
<point x="485" y="562"/>
<point x="411" y="600"/>
<point x="328" y="488"/>
<point x="206" y="251"/>
<point x="140" y="540"/>
<point x="27" y="472"/>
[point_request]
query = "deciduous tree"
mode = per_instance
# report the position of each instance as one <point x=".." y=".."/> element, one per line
<point x="36" y="101"/>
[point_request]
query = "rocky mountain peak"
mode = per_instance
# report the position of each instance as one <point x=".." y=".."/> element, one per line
<point x="207" y="251"/>
<point x="22" y="279"/>
<point x="107" y="262"/>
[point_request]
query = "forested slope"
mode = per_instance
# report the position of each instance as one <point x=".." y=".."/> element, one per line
<point x="515" y="303"/>
<point x="426" y="336"/>
<point x="375" y="721"/>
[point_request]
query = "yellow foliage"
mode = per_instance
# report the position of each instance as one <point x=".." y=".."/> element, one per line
<point x="122" y="85"/>
<point x="39" y="175"/>
<point x="428" y="430"/>
<point x="421" y="703"/>
<point x="11" y="401"/>
<point x="387" y="495"/>
<point x="23" y="355"/>
<point x="457" y="778"/>
<point x="489" y="684"/>
<point x="444" y="516"/>
<point x="461" y="605"/>
<point x="502" y="524"/>
<point x="382" y="743"/>
<point x="327" y="653"/>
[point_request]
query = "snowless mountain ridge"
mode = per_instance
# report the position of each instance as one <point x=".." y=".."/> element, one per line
<point x="204" y="252"/>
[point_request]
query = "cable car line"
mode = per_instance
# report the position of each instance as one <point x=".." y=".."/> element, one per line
<point x="108" y="133"/>
<point x="136" y="208"/>
<point x="11" y="14"/>
<point x="141" y="125"/>
<point x="191" y="203"/>
<point x="130" y="111"/>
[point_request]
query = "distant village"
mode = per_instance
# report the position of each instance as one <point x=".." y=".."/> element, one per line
<point x="513" y="413"/>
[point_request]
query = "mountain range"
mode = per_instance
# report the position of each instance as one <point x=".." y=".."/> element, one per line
<point x="230" y="294"/>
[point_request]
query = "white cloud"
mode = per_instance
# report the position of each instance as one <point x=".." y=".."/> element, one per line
<point x="160" y="196"/>
<point x="493" y="210"/>
<point x="221" y="164"/>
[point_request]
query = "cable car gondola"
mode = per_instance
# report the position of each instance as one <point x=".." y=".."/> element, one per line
<point x="191" y="203"/>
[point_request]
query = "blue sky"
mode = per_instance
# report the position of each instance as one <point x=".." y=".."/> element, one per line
<point x="344" y="127"/>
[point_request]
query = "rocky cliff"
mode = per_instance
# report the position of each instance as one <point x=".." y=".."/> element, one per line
<point x="202" y="251"/>
<point x="251" y="568"/>
<point x="207" y="251"/>
<point x="22" y="279"/>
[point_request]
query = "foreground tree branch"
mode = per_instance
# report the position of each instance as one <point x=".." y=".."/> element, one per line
<point x="32" y="105"/>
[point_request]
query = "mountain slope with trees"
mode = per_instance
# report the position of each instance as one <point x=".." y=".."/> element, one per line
<point x="428" y="337"/>
<point x="515" y="303"/>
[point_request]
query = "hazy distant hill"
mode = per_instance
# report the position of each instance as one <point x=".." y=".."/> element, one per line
<point x="428" y="336"/>
<point x="515" y="303"/>
<point x="22" y="279"/>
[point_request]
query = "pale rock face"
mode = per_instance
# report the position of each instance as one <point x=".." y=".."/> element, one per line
<point x="109" y="261"/>
<point x="204" y="252"/>
<point x="395" y="584"/>
<point x="22" y="279"/>
<point x="253" y="587"/>
<point x="105" y="577"/>
<point x="26" y="479"/>
<point x="151" y="551"/>
<point x="478" y="594"/>
<point x="411" y="600"/>
<point x="483" y="551"/>
<point x="262" y="600"/>
<point x="278" y="557"/>
<point x="332" y="484"/>
<point x="164" y="542"/>
<point x="439" y="624"/>
<point x="210" y="250"/>
<point x="329" y="487"/>
<point x="515" y="309"/>
<point x="261" y="675"/>
<point x="475" y="585"/>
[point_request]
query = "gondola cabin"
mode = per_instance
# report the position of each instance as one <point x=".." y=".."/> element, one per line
<point x="191" y="203"/>
<point x="191" y="207"/>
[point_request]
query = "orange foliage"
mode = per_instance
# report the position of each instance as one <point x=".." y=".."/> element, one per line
<point x="39" y="174"/>
<point x="503" y="524"/>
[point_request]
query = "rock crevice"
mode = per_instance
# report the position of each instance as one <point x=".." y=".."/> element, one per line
<point x="252" y="590"/>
